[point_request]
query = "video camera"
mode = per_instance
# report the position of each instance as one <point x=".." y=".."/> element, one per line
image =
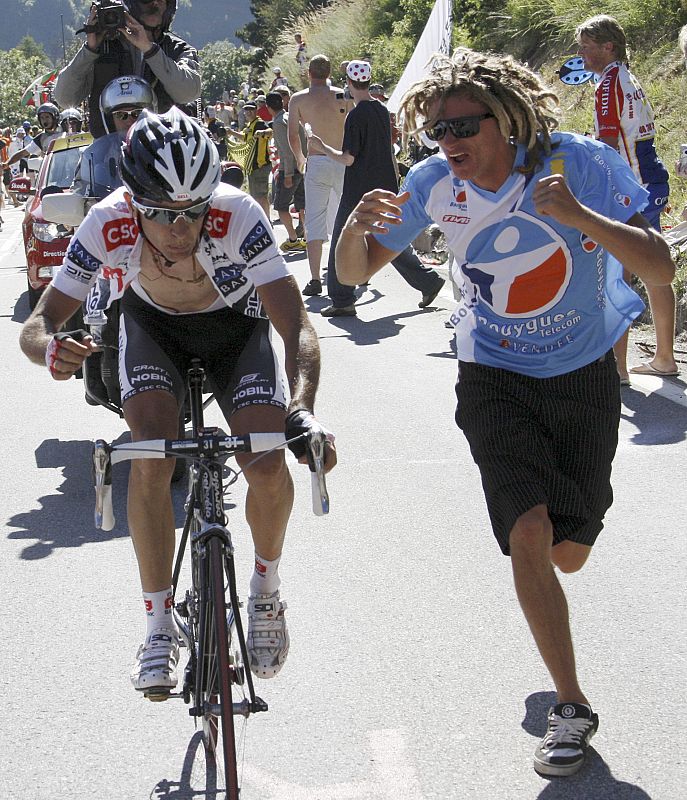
<point x="109" y="16"/>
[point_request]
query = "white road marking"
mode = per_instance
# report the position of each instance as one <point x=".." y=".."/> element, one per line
<point x="666" y="388"/>
<point x="394" y="776"/>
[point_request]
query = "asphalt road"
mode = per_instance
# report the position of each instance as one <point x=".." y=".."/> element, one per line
<point x="412" y="673"/>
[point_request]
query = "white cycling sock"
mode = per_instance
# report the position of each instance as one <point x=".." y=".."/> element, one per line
<point x="159" y="606"/>
<point x="265" y="578"/>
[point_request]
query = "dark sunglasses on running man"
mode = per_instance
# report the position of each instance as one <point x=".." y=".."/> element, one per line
<point x="122" y="116"/>
<point x="460" y="127"/>
<point x="168" y="216"/>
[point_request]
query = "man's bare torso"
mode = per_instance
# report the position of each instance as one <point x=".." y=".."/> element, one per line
<point x="325" y="109"/>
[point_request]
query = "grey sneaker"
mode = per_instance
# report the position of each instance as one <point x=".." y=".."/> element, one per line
<point x="429" y="298"/>
<point x="339" y="311"/>
<point x="268" y="636"/>
<point x="312" y="288"/>
<point x="562" y="751"/>
<point x="154" y="671"/>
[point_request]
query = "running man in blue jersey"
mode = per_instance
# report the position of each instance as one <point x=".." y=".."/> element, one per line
<point x="539" y="223"/>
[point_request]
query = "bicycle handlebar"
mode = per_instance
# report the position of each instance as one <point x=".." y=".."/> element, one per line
<point x="104" y="455"/>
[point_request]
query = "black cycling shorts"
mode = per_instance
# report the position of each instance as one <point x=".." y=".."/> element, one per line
<point x="156" y="349"/>
<point x="543" y="441"/>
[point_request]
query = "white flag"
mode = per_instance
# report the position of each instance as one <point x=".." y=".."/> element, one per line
<point x="436" y="37"/>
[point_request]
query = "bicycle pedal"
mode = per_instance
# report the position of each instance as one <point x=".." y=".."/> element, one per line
<point x="157" y="695"/>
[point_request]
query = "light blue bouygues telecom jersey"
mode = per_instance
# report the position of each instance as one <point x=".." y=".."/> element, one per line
<point x="537" y="297"/>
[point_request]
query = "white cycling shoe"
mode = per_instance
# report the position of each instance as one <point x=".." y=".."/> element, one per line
<point x="154" y="671"/>
<point x="268" y="636"/>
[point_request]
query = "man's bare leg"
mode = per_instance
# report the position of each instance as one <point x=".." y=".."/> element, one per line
<point x="152" y="415"/>
<point x="662" y="303"/>
<point x="315" y="258"/>
<point x="287" y="221"/>
<point x="542" y="599"/>
<point x="268" y="507"/>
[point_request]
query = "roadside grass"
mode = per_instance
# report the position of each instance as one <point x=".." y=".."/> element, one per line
<point x="335" y="30"/>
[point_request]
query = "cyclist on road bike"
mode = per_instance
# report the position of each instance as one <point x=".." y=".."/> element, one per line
<point x="196" y="267"/>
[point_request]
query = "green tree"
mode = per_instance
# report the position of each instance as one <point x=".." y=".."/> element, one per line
<point x="18" y="70"/>
<point x="222" y="66"/>
<point x="32" y="49"/>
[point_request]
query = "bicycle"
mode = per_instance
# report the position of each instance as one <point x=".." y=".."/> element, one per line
<point x="218" y="667"/>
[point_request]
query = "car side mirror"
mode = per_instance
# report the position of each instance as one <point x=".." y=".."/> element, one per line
<point x="66" y="208"/>
<point x="50" y="190"/>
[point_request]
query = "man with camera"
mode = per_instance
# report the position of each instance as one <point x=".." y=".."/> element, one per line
<point x="130" y="40"/>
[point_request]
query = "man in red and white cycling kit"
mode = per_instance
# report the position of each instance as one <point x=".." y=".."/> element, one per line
<point x="196" y="268"/>
<point x="624" y="120"/>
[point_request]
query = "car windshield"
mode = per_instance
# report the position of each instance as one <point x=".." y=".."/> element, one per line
<point x="62" y="167"/>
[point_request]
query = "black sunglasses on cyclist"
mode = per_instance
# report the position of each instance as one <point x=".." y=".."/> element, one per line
<point x="123" y="116"/>
<point x="168" y="216"/>
<point x="460" y="127"/>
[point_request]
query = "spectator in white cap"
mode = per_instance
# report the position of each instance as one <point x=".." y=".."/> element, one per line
<point x="367" y="155"/>
<point x="279" y="79"/>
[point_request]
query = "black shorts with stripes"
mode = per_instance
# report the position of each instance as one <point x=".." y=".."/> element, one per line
<point x="156" y="349"/>
<point x="548" y="441"/>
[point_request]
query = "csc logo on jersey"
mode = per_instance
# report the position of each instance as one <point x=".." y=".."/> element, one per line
<point x="217" y="223"/>
<point x="518" y="268"/>
<point x="119" y="232"/>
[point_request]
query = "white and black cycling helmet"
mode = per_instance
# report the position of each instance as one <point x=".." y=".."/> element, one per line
<point x="126" y="92"/>
<point x="168" y="158"/>
<point x="49" y="108"/>
<point x="71" y="120"/>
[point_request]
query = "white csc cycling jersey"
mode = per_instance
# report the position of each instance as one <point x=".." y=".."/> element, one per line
<point x="236" y="249"/>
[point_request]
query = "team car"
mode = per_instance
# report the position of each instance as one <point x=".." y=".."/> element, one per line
<point x="45" y="242"/>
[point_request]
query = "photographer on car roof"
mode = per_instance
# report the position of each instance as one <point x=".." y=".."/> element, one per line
<point x="133" y="40"/>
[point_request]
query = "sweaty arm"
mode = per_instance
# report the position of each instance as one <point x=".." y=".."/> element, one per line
<point x="638" y="247"/>
<point x="359" y="254"/>
<point x="293" y="134"/>
<point x="282" y="302"/>
<point x="341" y="157"/>
<point x="38" y="342"/>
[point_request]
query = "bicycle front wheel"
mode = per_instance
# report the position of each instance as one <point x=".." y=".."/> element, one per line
<point x="217" y="678"/>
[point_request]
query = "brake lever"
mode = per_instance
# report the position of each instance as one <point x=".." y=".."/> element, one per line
<point x="102" y="473"/>
<point x="315" y="441"/>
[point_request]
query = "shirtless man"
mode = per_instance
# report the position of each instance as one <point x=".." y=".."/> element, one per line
<point x="323" y="108"/>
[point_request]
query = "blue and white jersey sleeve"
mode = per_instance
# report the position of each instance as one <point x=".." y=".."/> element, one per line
<point x="419" y="182"/>
<point x="83" y="260"/>
<point x="606" y="183"/>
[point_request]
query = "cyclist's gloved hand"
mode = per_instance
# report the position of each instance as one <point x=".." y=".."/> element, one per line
<point x="66" y="352"/>
<point x="299" y="422"/>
